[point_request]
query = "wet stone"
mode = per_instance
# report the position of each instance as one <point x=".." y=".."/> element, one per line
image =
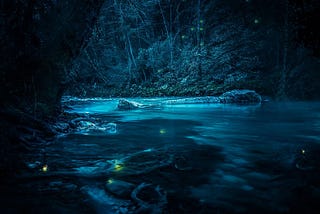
<point x="127" y="105"/>
<point x="61" y="127"/>
<point x="119" y="188"/>
<point x="240" y="97"/>
<point x="111" y="128"/>
<point x="34" y="165"/>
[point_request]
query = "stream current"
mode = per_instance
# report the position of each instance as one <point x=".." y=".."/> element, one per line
<point x="182" y="158"/>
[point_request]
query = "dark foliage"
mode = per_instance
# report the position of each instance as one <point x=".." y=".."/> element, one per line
<point x="38" y="39"/>
<point x="202" y="47"/>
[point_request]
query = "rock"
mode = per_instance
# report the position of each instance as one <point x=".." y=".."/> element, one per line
<point x="119" y="188"/>
<point x="149" y="199"/>
<point x="34" y="165"/>
<point x="111" y="128"/>
<point x="61" y="127"/>
<point x="86" y="125"/>
<point x="127" y="105"/>
<point x="81" y="121"/>
<point x="240" y="96"/>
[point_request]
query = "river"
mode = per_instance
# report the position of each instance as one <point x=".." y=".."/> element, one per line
<point x="183" y="158"/>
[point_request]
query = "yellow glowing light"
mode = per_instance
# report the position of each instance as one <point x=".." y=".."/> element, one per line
<point x="256" y="21"/>
<point x="110" y="181"/>
<point x="45" y="168"/>
<point x="118" y="167"/>
<point x="303" y="151"/>
<point x="163" y="131"/>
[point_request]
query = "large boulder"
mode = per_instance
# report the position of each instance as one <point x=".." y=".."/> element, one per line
<point x="243" y="96"/>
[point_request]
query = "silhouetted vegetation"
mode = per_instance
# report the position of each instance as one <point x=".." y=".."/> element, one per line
<point x="190" y="48"/>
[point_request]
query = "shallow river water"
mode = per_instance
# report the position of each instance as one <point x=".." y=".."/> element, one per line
<point x="192" y="158"/>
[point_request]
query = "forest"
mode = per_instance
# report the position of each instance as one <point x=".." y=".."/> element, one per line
<point x="149" y="82"/>
<point x="192" y="48"/>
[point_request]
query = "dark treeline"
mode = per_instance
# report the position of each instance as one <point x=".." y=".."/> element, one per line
<point x="201" y="47"/>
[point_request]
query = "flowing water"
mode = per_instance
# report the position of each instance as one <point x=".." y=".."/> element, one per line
<point x="193" y="158"/>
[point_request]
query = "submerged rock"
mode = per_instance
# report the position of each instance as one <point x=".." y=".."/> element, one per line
<point x="119" y="188"/>
<point x="149" y="199"/>
<point x="243" y="96"/>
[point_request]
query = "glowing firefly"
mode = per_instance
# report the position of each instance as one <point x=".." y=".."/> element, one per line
<point x="303" y="151"/>
<point x="45" y="168"/>
<point x="163" y="131"/>
<point x="118" y="166"/>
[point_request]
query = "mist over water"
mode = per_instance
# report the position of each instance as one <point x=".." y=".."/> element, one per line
<point x="193" y="158"/>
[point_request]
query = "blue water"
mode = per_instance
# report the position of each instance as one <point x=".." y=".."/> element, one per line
<point x="205" y="158"/>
